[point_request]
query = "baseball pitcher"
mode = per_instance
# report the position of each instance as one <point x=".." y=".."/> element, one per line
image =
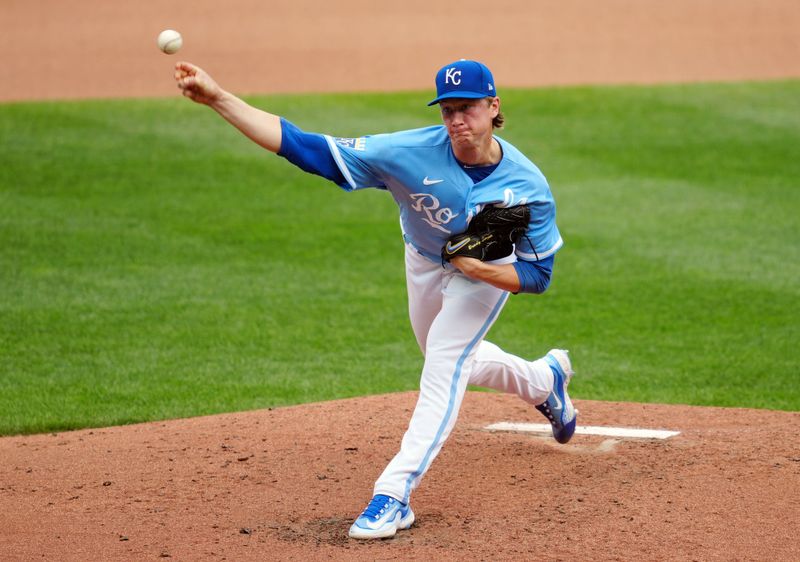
<point x="478" y="220"/>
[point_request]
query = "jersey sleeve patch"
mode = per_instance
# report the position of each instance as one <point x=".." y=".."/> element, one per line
<point x="359" y="144"/>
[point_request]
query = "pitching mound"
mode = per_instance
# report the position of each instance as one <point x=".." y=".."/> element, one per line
<point x="286" y="483"/>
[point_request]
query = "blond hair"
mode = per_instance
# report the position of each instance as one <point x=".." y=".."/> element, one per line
<point x="499" y="120"/>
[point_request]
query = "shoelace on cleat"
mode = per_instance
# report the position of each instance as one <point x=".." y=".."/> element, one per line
<point x="544" y="407"/>
<point x="378" y="504"/>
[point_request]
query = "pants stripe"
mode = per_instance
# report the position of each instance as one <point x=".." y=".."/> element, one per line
<point x="453" y="391"/>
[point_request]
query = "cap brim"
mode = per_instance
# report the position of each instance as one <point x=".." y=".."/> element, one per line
<point x="461" y="95"/>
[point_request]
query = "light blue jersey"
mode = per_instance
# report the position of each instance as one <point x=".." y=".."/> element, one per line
<point x="436" y="196"/>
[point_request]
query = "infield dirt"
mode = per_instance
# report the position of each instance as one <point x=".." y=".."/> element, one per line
<point x="285" y="484"/>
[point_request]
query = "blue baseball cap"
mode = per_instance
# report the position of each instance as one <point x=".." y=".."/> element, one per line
<point x="464" y="79"/>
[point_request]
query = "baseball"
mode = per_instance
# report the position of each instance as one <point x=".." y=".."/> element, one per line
<point x="170" y="41"/>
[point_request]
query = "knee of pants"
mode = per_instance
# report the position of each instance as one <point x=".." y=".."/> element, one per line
<point x="446" y="366"/>
<point x="444" y="348"/>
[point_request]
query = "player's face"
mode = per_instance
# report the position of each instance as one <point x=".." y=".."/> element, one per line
<point x="469" y="121"/>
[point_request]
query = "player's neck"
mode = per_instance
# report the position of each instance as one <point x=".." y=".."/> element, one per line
<point x="485" y="154"/>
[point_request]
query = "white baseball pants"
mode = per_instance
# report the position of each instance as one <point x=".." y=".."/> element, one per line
<point x="450" y="315"/>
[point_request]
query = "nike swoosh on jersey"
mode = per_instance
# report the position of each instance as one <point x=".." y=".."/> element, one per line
<point x="427" y="181"/>
<point x="450" y="248"/>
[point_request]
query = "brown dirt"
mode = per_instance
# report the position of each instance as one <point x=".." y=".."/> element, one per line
<point x="261" y="485"/>
<point x="90" y="48"/>
<point x="285" y="484"/>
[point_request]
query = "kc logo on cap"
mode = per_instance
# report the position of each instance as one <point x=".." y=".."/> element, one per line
<point x="452" y="75"/>
<point x="464" y="79"/>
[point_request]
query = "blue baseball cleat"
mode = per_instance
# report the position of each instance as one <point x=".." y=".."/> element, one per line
<point x="382" y="518"/>
<point x="558" y="408"/>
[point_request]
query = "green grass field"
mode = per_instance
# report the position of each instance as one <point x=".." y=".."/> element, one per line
<point x="156" y="264"/>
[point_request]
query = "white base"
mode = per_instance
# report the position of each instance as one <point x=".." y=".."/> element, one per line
<point x="624" y="432"/>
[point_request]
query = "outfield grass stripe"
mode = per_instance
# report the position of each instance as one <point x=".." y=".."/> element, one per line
<point x="154" y="263"/>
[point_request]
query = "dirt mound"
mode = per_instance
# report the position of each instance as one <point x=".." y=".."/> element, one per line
<point x="286" y="483"/>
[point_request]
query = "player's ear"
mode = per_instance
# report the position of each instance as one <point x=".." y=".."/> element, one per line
<point x="494" y="105"/>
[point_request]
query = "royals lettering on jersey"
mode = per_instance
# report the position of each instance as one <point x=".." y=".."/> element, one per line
<point x="436" y="197"/>
<point x="433" y="213"/>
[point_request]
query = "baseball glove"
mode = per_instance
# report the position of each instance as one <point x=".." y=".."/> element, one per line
<point x="490" y="235"/>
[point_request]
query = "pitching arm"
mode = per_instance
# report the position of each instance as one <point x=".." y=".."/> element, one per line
<point x="310" y="152"/>
<point x="259" y="126"/>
